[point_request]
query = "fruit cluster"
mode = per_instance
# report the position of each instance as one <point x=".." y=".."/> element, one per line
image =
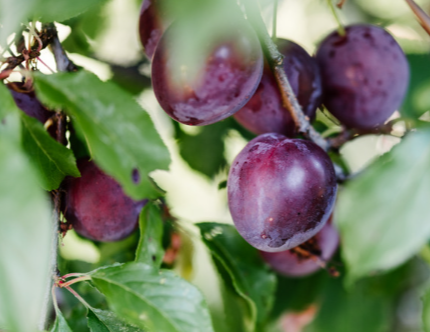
<point x="281" y="189"/>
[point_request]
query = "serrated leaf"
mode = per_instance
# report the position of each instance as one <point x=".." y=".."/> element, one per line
<point x="53" y="160"/>
<point x="383" y="214"/>
<point x="249" y="274"/>
<point x="150" y="249"/>
<point x="153" y="300"/>
<point x="119" y="133"/>
<point x="106" y="321"/>
<point x="25" y="234"/>
<point x="60" y="324"/>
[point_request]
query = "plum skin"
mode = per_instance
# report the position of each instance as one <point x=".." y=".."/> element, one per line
<point x="97" y="207"/>
<point x="150" y="26"/>
<point x="265" y="113"/>
<point x="289" y="264"/>
<point x="228" y="79"/>
<point x="28" y="102"/>
<point x="281" y="191"/>
<point x="365" y="75"/>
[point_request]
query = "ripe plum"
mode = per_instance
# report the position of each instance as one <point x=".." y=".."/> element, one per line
<point x="97" y="207"/>
<point x="265" y="113"/>
<point x="28" y="102"/>
<point x="281" y="191"/>
<point x="364" y="74"/>
<point x="150" y="26"/>
<point x="227" y="80"/>
<point x="293" y="263"/>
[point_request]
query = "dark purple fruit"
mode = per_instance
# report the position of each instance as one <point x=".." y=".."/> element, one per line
<point x="228" y="79"/>
<point x="265" y="113"/>
<point x="309" y="257"/>
<point x="97" y="207"/>
<point x="150" y="26"/>
<point x="365" y="75"/>
<point x="28" y="102"/>
<point x="281" y="191"/>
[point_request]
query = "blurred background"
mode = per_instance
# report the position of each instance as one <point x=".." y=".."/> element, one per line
<point x="105" y="41"/>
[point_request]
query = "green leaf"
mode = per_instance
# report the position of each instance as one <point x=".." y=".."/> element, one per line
<point x="153" y="300"/>
<point x="417" y="99"/>
<point x="383" y="214"/>
<point x="60" y="324"/>
<point x="204" y="152"/>
<point x="53" y="160"/>
<point x="302" y="292"/>
<point x="150" y="249"/>
<point x="107" y="321"/>
<point x="60" y="10"/>
<point x="242" y="262"/>
<point x="426" y="310"/>
<point x="25" y="233"/>
<point x="120" y="134"/>
<point x="15" y="12"/>
<point x="355" y="310"/>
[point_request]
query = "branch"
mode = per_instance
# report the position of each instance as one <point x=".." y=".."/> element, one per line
<point x="288" y="97"/>
<point x="63" y="64"/>
<point x="348" y="134"/>
<point x="61" y="58"/>
<point x="45" y="36"/>
<point x="422" y="17"/>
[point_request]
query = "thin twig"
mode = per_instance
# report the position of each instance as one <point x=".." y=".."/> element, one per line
<point x="80" y="298"/>
<point x="45" y="37"/>
<point x="422" y="17"/>
<point x="340" y="4"/>
<point x="288" y="97"/>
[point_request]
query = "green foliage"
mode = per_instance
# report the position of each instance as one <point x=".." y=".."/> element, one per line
<point x="106" y="321"/>
<point x="14" y="12"/>
<point x="153" y="300"/>
<point x="417" y="100"/>
<point x="243" y="265"/>
<point x="382" y="214"/>
<point x="150" y="249"/>
<point x="426" y="310"/>
<point x="60" y="324"/>
<point x="119" y="133"/>
<point x="53" y="160"/>
<point x="355" y="310"/>
<point x="24" y="232"/>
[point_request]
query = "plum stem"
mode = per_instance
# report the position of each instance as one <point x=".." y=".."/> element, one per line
<point x="422" y="17"/>
<point x="288" y="97"/>
<point x="63" y="284"/>
<point x="340" y="28"/>
<point x="80" y="298"/>
<point x="72" y="275"/>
